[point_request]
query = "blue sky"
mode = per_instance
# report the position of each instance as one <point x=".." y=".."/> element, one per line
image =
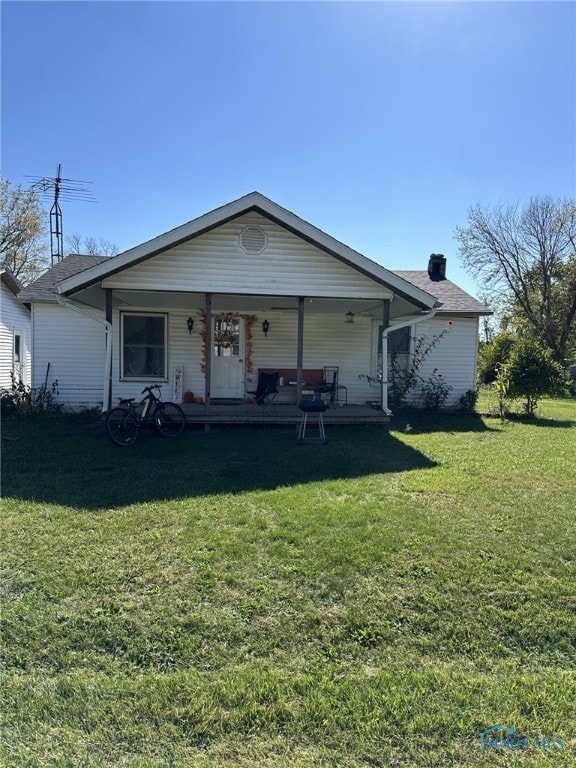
<point x="381" y="123"/>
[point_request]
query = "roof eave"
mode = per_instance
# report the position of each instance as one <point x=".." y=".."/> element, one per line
<point x="252" y="202"/>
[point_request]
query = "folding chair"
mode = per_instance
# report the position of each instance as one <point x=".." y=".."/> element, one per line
<point x="266" y="391"/>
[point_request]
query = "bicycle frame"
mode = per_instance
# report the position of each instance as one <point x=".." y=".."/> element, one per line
<point x="124" y="422"/>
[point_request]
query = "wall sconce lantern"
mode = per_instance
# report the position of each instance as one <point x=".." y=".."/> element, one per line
<point x="190" y="324"/>
<point x="265" y="327"/>
<point x="349" y="316"/>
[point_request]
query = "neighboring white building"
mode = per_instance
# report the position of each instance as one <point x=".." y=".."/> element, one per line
<point x="15" y="333"/>
<point x="107" y="327"/>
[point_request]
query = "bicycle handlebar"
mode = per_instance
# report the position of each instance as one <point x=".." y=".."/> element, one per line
<point x="149" y="389"/>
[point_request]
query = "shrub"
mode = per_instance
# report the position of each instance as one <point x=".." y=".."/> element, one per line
<point x="467" y="401"/>
<point x="494" y="354"/>
<point x="21" y="400"/>
<point x="434" y="391"/>
<point x="531" y="373"/>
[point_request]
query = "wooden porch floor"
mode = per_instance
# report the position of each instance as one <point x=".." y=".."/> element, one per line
<point x="283" y="413"/>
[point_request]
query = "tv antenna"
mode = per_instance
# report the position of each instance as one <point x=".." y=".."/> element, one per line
<point x="60" y="188"/>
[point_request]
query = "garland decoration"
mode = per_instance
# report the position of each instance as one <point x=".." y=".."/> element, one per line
<point x="202" y="335"/>
<point x="249" y="321"/>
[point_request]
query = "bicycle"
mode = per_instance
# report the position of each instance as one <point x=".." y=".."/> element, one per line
<point x="126" y="421"/>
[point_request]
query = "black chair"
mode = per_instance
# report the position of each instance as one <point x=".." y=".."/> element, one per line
<point x="331" y="373"/>
<point x="329" y="388"/>
<point x="266" y="391"/>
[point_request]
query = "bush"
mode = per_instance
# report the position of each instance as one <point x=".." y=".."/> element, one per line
<point x="21" y="400"/>
<point x="467" y="401"/>
<point x="531" y="373"/>
<point x="494" y="354"/>
<point x="434" y="391"/>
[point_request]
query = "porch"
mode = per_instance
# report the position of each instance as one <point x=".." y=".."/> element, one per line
<point x="237" y="413"/>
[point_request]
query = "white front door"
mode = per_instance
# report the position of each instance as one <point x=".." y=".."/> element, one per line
<point x="227" y="377"/>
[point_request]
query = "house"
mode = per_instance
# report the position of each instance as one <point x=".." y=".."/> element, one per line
<point x="245" y="288"/>
<point x="15" y="335"/>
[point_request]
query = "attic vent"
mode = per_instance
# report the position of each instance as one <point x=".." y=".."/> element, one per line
<point x="253" y="240"/>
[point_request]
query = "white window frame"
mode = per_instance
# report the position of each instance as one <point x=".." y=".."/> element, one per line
<point x="143" y="377"/>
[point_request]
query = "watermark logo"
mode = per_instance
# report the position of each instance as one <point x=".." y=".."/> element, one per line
<point x="500" y="737"/>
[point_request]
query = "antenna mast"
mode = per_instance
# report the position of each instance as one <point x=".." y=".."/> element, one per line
<point x="65" y="189"/>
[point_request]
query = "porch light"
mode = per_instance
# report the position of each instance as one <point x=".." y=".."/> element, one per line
<point x="265" y="327"/>
<point x="190" y="324"/>
<point x="349" y="316"/>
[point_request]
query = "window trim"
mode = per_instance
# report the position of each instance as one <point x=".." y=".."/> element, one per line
<point x="142" y="377"/>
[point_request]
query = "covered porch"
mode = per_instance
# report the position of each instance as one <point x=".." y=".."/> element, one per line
<point x="281" y="414"/>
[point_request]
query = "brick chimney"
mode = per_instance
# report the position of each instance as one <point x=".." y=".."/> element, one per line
<point x="437" y="266"/>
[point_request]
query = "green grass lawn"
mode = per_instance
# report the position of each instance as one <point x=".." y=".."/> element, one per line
<point x="232" y="599"/>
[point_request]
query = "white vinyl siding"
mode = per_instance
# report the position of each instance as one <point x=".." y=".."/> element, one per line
<point x="14" y="320"/>
<point x="74" y="348"/>
<point x="327" y="341"/>
<point x="455" y="354"/>
<point x="216" y="262"/>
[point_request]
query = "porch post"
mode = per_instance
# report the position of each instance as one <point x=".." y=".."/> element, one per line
<point x="208" y="348"/>
<point x="385" y="326"/>
<point x="300" y="349"/>
<point x="108" y="318"/>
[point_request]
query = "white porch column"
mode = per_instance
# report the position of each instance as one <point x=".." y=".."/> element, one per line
<point x="385" y="326"/>
<point x="208" y="348"/>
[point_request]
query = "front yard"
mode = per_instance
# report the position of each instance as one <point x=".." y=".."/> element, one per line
<point x="231" y="599"/>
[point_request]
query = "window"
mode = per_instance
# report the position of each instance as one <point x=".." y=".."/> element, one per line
<point x="398" y="345"/>
<point x="17" y="348"/>
<point x="399" y="341"/>
<point x="226" y="337"/>
<point x="143" y="346"/>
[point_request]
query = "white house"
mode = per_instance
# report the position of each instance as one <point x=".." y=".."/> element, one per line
<point x="15" y="333"/>
<point x="187" y="310"/>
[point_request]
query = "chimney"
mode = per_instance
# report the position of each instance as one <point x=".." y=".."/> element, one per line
<point x="437" y="266"/>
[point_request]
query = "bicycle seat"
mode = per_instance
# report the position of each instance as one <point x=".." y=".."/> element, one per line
<point x="127" y="401"/>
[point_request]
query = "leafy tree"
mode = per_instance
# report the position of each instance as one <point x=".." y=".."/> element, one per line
<point x="493" y="355"/>
<point x="528" y="257"/>
<point x="23" y="246"/>
<point x="531" y="373"/>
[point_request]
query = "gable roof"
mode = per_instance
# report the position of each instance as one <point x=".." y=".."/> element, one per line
<point x="10" y="280"/>
<point x="42" y="289"/>
<point x="453" y="299"/>
<point x="274" y="212"/>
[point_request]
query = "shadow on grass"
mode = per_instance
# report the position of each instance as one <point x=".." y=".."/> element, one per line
<point x="419" y="421"/>
<point x="539" y="421"/>
<point x="69" y="461"/>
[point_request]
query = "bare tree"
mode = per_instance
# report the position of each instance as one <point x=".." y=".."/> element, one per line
<point x="23" y="245"/>
<point x="91" y="246"/>
<point x="527" y="257"/>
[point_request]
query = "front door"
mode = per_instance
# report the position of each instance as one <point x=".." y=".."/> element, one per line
<point x="228" y="357"/>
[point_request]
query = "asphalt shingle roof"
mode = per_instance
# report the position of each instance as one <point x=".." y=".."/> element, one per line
<point x="42" y="289"/>
<point x="452" y="297"/>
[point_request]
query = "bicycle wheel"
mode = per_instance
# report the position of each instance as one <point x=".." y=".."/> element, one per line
<point x="169" y="419"/>
<point x="121" y="426"/>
